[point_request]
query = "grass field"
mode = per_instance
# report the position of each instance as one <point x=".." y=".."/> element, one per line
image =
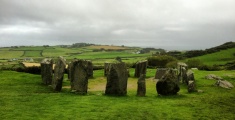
<point x="23" y="96"/>
<point x="32" y="54"/>
<point x="107" y="55"/>
<point x="5" y="54"/>
<point x="27" y="48"/>
<point x="218" y="58"/>
<point x="40" y="52"/>
<point x="107" y="47"/>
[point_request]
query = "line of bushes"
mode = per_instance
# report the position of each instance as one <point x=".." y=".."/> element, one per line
<point x="161" y="61"/>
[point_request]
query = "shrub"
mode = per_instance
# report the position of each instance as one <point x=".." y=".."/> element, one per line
<point x="210" y="68"/>
<point x="194" y="63"/>
<point x="172" y="64"/>
<point x="160" y="61"/>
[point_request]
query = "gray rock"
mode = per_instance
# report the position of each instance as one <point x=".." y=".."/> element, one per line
<point x="224" y="84"/>
<point x="58" y="74"/>
<point x="117" y="79"/>
<point x="141" y="90"/>
<point x="79" y="76"/>
<point x="200" y="91"/>
<point x="168" y="84"/>
<point x="47" y="71"/>
<point x="140" y="68"/>
<point x="160" y="72"/>
<point x="213" y="77"/>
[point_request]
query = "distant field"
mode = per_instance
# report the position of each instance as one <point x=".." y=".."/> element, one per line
<point x="58" y="51"/>
<point x="107" y="55"/>
<point x="98" y="57"/>
<point x="5" y="54"/>
<point x="32" y="54"/>
<point x="218" y="58"/>
<point x="107" y="47"/>
<point x="28" y="48"/>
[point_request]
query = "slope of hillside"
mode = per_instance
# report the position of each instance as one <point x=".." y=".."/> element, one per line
<point x="195" y="53"/>
<point x="218" y="58"/>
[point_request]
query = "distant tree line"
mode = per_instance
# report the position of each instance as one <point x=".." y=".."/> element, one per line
<point x="76" y="45"/>
<point x="148" y="50"/>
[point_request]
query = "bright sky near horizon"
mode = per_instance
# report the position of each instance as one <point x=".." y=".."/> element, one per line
<point x="167" y="24"/>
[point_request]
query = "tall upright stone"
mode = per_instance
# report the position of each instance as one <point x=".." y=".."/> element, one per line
<point x="141" y="89"/>
<point x="140" y="68"/>
<point x="70" y="65"/>
<point x="89" y="69"/>
<point x="190" y="76"/>
<point x="191" y="86"/>
<point x="184" y="75"/>
<point x="69" y="70"/>
<point x="106" y="68"/>
<point x="79" y="76"/>
<point x="58" y="74"/>
<point x="117" y="79"/>
<point x="47" y="71"/>
<point x="182" y="69"/>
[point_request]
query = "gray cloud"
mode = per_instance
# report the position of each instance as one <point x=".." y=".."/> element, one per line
<point x="168" y="24"/>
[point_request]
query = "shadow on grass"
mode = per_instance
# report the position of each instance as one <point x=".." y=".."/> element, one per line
<point x="177" y="96"/>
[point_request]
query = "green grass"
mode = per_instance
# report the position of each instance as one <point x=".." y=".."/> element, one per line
<point x="28" y="48"/>
<point x="23" y="96"/>
<point x="57" y="51"/>
<point x="5" y="54"/>
<point x="107" y="55"/>
<point x="98" y="58"/>
<point x="32" y="54"/>
<point x="218" y="58"/>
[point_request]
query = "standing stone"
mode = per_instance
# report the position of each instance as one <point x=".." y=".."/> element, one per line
<point x="128" y="72"/>
<point x="140" y="68"/>
<point x="58" y="74"/>
<point x="89" y="69"/>
<point x="47" y="71"/>
<point x="79" y="76"/>
<point x="190" y="76"/>
<point x="141" y="90"/>
<point x="117" y="79"/>
<point x="106" y="68"/>
<point x="182" y="69"/>
<point x="168" y="84"/>
<point x="69" y="70"/>
<point x="70" y="65"/>
<point x="160" y="72"/>
<point x="191" y="86"/>
<point x="184" y="75"/>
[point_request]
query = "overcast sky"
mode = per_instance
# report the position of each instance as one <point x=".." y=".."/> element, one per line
<point x="168" y="24"/>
